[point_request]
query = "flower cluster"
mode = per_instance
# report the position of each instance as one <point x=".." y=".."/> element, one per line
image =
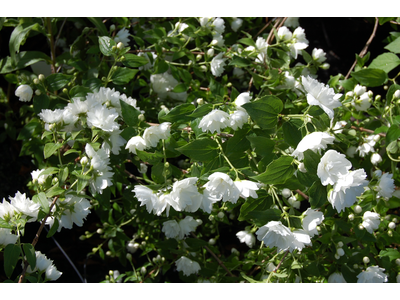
<point x="45" y="265"/>
<point x="151" y="136"/>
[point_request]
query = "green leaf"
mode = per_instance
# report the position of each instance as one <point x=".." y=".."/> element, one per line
<point x="122" y="76"/>
<point x="4" y="224"/>
<point x="247" y="41"/>
<point x="260" y="218"/>
<point x="292" y="132"/>
<point x="63" y="174"/>
<point x="129" y="114"/>
<point x="249" y="279"/>
<point x="40" y="102"/>
<point x="134" y="61"/>
<point x="99" y="24"/>
<point x="18" y="37"/>
<point x="54" y="191"/>
<point x="180" y="88"/>
<point x="240" y="61"/>
<point x="160" y="66"/>
<point x="82" y="183"/>
<point x="201" y="149"/>
<point x="11" y="257"/>
<point x="370" y="77"/>
<point x="264" y="111"/>
<point x="251" y="204"/>
<point x="201" y="111"/>
<point x="392" y="134"/>
<point x="385" y="62"/>
<point x="261" y="145"/>
<point x="30" y="255"/>
<point x="277" y="171"/>
<point x="311" y="161"/>
<point x="50" y="148"/>
<point x="43" y="201"/>
<point x="391" y="253"/>
<point x="394" y="46"/>
<point x="23" y="59"/>
<point x="392" y="89"/>
<point x="53" y="228"/>
<point x="79" y="92"/>
<point x="179" y="113"/>
<point x="49" y="171"/>
<point x="317" y="195"/>
<point x="57" y="81"/>
<point x="195" y="243"/>
<point x="105" y="44"/>
<point x="151" y="158"/>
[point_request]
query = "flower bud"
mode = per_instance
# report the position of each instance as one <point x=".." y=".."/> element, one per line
<point x="352" y="132"/>
<point x="325" y="66"/>
<point x="360" y="226"/>
<point x="99" y="230"/>
<point x="38" y="92"/>
<point x="357" y="209"/>
<point x="199" y="221"/>
<point x="286" y="193"/>
<point x="128" y="256"/>
<point x="302" y="168"/>
<point x="234" y="251"/>
<point x="337" y="256"/>
<point x="211" y="241"/>
<point x="36" y="81"/>
<point x="351" y="217"/>
<point x="84" y="161"/>
<point x="141" y="117"/>
<point x="211" y="217"/>
<point x="396" y="94"/>
<point x="365" y="259"/>
<point x="349" y="94"/>
<point x="390" y="233"/>
<point x="376" y="158"/>
<point x="392" y="225"/>
<point x="200" y="101"/>
<point x="394" y="220"/>
<point x="370" y="94"/>
<point x="41" y="77"/>
<point x="114" y="48"/>
<point x="397" y="261"/>
<point x="210" y="52"/>
<point x="221" y="215"/>
<point x="198" y="57"/>
<point x="143" y="270"/>
<point x="203" y="68"/>
<point x="120" y="46"/>
<point x="378" y="98"/>
<point x="340" y="251"/>
<point x="112" y="27"/>
<point x="340" y="244"/>
<point x="82" y="237"/>
<point x="398" y="278"/>
<point x="108" y="253"/>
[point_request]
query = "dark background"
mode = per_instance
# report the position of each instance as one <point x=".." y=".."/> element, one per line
<point x="340" y="38"/>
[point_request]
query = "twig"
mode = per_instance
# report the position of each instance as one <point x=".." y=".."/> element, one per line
<point x="59" y="32"/>
<point x="265" y="27"/>
<point x="35" y="240"/>
<point x="302" y="194"/>
<point x="218" y="260"/>
<point x="382" y="134"/>
<point x="277" y="267"/>
<point x="364" y="50"/>
<point x="277" y="25"/>
<point x="52" y="50"/>
<point x="131" y="175"/>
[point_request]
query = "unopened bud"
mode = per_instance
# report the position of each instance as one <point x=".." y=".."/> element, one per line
<point x="65" y="90"/>
<point x="38" y="92"/>
<point x="114" y="48"/>
<point x="378" y="98"/>
<point x="198" y="57"/>
<point x="211" y="241"/>
<point x="365" y="259"/>
<point x="143" y="270"/>
<point x="120" y="46"/>
<point x="286" y="193"/>
<point x="397" y="94"/>
<point x="200" y="101"/>
<point x="352" y="132"/>
<point x="357" y="209"/>
<point x="203" y="68"/>
<point x="108" y="253"/>
<point x="41" y="77"/>
<point x="340" y="251"/>
<point x="302" y="168"/>
<point x="325" y="66"/>
<point x="351" y="217"/>
<point x="36" y="81"/>
<point x="141" y="117"/>
<point x="221" y="215"/>
<point x="128" y="256"/>
<point x="84" y="161"/>
<point x="99" y="230"/>
<point x="340" y="244"/>
<point x="112" y="27"/>
<point x="210" y="52"/>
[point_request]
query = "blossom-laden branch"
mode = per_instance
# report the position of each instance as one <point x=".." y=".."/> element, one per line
<point x="35" y="240"/>
<point x="364" y="50"/>
<point x="216" y="258"/>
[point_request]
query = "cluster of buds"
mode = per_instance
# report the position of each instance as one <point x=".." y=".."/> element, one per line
<point x="361" y="98"/>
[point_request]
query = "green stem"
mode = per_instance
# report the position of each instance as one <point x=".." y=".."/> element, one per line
<point x="226" y="158"/>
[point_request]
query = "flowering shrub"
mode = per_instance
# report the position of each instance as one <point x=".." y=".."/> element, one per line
<point x="194" y="131"/>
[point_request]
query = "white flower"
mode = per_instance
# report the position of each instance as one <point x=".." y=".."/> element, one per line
<point x="171" y="229"/>
<point x="376" y="158"/>
<point x="215" y="120"/>
<point x="321" y="95"/>
<point x="152" y="135"/>
<point x="312" y="218"/>
<point x="315" y="141"/>
<point x="336" y="277"/>
<point x="206" y="21"/>
<point x="51" y="117"/>
<point x="101" y="175"/>
<point x="187" y="266"/>
<point x="261" y="45"/>
<point x="238" y="118"/>
<point x="217" y="64"/>
<point x="42" y="262"/>
<point x="6" y="237"/>
<point x="360" y="90"/>
<point x="293" y="202"/>
<point x="136" y="143"/>
<point x="284" y="34"/>
<point x="7" y="210"/>
<point x="220" y="185"/>
<point x="319" y="55"/>
<point x="247" y="188"/>
<point x="114" y="142"/>
<point x="208" y="201"/>
<point x="246" y="237"/>
<point x="40" y="179"/>
<point x="373" y="274"/>
<point x="371" y="221"/>
<point x="24" y="92"/>
<point x="301" y="239"/>
<point x="347" y="188"/>
<point x="368" y="145"/>
<point x="351" y="151"/>
<point x="242" y="99"/>
<point x="218" y="40"/>
<point x="149" y="64"/>
<point x="103" y="118"/>
<point x="362" y="103"/>
<point x="185" y="195"/>
<point x="145" y="196"/>
<point x="187" y="225"/>
<point x="331" y="166"/>
<point x="236" y="24"/>
<point x="25" y="206"/>
<point x="143" y="168"/>
<point x="385" y="186"/>
<point x="123" y="37"/>
<point x="338" y="127"/>
<point x="219" y="25"/>
<point x="274" y="234"/>
<point x="163" y="84"/>
<point x="52" y="273"/>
